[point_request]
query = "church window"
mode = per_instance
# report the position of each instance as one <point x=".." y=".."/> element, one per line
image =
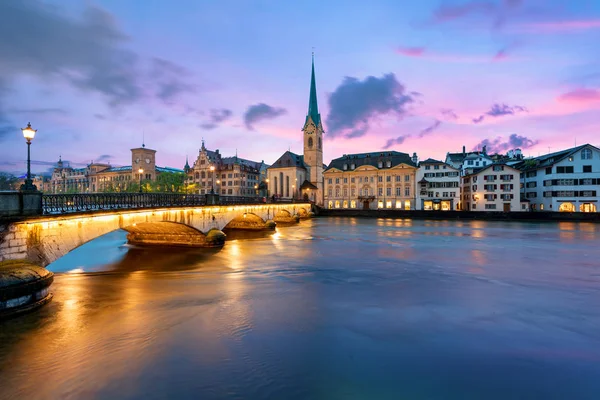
<point x="310" y="142"/>
<point x="319" y="142"/>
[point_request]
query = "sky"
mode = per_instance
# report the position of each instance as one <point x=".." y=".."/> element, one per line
<point x="96" y="78"/>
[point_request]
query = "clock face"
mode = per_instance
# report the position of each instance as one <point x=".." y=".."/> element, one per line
<point x="310" y="129"/>
<point x="147" y="161"/>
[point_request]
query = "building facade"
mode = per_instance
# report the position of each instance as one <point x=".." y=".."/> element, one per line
<point x="492" y="188"/>
<point x="438" y="186"/>
<point x="564" y="181"/>
<point x="468" y="160"/>
<point x="371" y="181"/>
<point x="227" y="176"/>
<point x="303" y="174"/>
<point x="102" y="177"/>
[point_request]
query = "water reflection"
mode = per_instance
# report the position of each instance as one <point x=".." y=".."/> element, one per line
<point x="314" y="310"/>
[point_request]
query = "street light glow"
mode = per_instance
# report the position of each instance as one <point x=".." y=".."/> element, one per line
<point x="28" y="132"/>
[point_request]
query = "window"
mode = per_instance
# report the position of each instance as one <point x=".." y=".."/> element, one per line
<point x="436" y="167"/>
<point x="586" y="154"/>
<point x="406" y="178"/>
<point x="353" y="193"/>
<point x="380" y="178"/>
<point x="310" y="144"/>
<point x="490" y="206"/>
<point x="345" y="194"/>
<point x="345" y="180"/>
<point x="337" y="180"/>
<point x="337" y="192"/>
<point x="345" y="167"/>
<point x="407" y="191"/>
<point x="330" y="181"/>
<point x="353" y="204"/>
<point x="388" y="192"/>
<point x="587" y="168"/>
<point x="564" y="170"/>
<point x="380" y="192"/>
<point x="548" y="170"/>
<point x="329" y="193"/>
<point x="388" y="178"/>
<point x="380" y="164"/>
<point x="428" y="167"/>
<point x="352" y="166"/>
<point x="352" y="179"/>
<point x="388" y="164"/>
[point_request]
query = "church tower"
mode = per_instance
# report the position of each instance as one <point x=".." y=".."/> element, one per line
<point x="313" y="141"/>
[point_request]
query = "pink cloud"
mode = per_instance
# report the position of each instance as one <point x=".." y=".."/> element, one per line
<point x="580" y="95"/>
<point x="560" y="26"/>
<point x="411" y="51"/>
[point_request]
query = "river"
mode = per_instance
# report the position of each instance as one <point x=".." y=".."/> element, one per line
<point x="331" y="308"/>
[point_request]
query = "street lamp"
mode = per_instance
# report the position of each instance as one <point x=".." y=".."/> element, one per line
<point x="141" y="171"/>
<point x="28" y="134"/>
<point x="212" y="179"/>
<point x="267" y="180"/>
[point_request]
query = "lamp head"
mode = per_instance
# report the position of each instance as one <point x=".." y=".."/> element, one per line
<point x="28" y="132"/>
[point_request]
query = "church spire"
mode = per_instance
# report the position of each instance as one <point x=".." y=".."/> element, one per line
<point x="313" y="109"/>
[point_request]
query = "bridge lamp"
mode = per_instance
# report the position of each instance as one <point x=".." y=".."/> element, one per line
<point x="212" y="179"/>
<point x="28" y="134"/>
<point x="141" y="171"/>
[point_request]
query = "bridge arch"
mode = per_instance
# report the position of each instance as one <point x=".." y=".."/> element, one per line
<point x="44" y="240"/>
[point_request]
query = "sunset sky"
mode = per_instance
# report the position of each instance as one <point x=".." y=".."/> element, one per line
<point x="424" y="76"/>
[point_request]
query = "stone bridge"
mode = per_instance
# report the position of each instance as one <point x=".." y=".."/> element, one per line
<point x="42" y="240"/>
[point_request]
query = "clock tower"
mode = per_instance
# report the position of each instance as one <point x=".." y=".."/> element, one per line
<point x="313" y="142"/>
<point x="143" y="158"/>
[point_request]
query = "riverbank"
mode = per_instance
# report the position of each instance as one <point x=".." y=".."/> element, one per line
<point x="463" y="215"/>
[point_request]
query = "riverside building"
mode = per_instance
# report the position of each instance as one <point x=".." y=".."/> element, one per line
<point x="564" y="181"/>
<point x="438" y="186"/>
<point x="492" y="188"/>
<point x="371" y="181"/>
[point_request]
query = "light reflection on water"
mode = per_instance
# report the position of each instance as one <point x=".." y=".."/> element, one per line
<point x="331" y="308"/>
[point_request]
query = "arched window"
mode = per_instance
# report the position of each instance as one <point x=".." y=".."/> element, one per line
<point x="310" y="143"/>
<point x="319" y="143"/>
<point x="586" y="154"/>
<point x="566" y="207"/>
<point x="587" y="207"/>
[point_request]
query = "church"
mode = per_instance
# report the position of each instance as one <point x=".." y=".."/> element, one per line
<point x="295" y="176"/>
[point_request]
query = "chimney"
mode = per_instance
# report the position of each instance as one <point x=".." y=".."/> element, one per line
<point x="484" y="149"/>
<point x="414" y="158"/>
<point x="464" y="150"/>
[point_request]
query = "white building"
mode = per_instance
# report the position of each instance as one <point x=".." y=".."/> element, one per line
<point x="469" y="160"/>
<point x="492" y="188"/>
<point x="566" y="180"/>
<point x="438" y="186"/>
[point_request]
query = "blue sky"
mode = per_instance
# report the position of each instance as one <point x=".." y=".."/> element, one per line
<point x="419" y="76"/>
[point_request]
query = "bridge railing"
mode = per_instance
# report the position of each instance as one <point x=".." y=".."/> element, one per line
<point x="82" y="202"/>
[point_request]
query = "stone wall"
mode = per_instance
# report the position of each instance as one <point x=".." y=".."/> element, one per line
<point x="44" y="240"/>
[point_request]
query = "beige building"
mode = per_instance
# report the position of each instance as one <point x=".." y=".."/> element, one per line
<point x="295" y="176"/>
<point x="492" y="188"/>
<point x="371" y="181"/>
<point x="227" y="176"/>
<point x="102" y="177"/>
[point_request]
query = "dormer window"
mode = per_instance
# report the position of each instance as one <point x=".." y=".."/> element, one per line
<point x="345" y="167"/>
<point x="352" y="166"/>
<point x="380" y="164"/>
<point x="388" y="164"/>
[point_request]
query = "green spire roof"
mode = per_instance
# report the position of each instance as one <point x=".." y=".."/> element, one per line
<point x="313" y="109"/>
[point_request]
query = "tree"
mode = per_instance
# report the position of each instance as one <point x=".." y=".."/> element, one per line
<point x="169" y="182"/>
<point x="8" y="181"/>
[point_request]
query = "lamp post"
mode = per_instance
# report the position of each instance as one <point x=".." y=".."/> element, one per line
<point x="212" y="179"/>
<point x="267" y="180"/>
<point x="141" y="171"/>
<point x="218" y="183"/>
<point x="28" y="134"/>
